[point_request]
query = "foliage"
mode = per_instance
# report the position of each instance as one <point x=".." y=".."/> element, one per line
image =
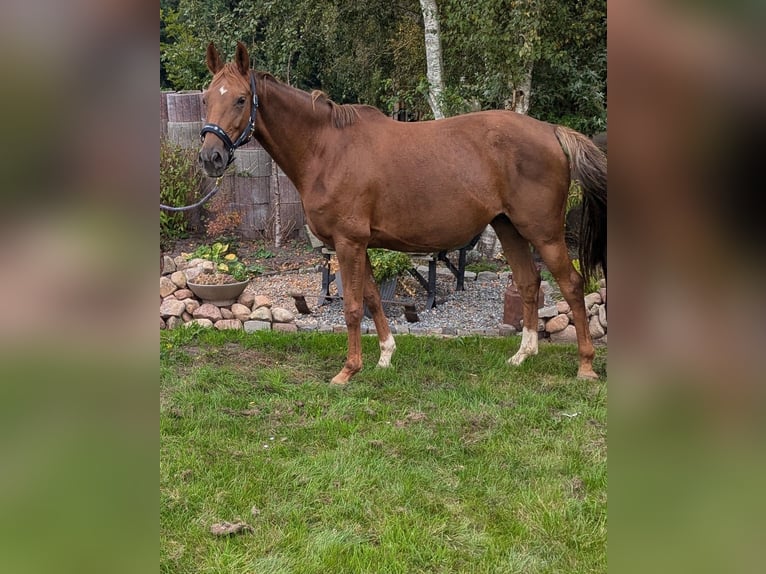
<point x="180" y="181"/>
<point x="592" y="285"/>
<point x="223" y="220"/>
<point x="387" y="264"/>
<point x="450" y="461"/>
<point x="479" y="266"/>
<point x="373" y="52"/>
<point x="225" y="260"/>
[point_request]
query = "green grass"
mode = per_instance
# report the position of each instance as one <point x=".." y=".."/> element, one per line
<point x="451" y="461"/>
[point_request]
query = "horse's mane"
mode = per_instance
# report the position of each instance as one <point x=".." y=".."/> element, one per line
<point x="342" y="115"/>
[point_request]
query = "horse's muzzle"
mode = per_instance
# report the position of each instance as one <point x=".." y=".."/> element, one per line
<point x="213" y="161"/>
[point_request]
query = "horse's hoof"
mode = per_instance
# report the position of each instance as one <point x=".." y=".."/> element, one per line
<point x="587" y="375"/>
<point x="339" y="380"/>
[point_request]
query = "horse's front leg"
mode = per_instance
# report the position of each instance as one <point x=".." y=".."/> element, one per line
<point x="372" y="300"/>
<point x="352" y="261"/>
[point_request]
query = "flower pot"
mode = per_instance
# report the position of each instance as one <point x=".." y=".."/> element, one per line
<point x="387" y="293"/>
<point x="219" y="295"/>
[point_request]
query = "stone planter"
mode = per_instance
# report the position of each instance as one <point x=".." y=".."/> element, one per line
<point x="219" y="295"/>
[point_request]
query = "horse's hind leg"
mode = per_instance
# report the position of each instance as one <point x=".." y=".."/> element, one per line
<point x="372" y="300"/>
<point x="556" y="258"/>
<point x="527" y="280"/>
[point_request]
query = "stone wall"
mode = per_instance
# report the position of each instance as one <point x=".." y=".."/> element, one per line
<point x="179" y="306"/>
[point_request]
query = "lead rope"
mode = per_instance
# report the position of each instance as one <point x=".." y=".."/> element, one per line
<point x="210" y="194"/>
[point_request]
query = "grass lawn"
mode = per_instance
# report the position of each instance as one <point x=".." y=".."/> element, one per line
<point x="451" y="461"/>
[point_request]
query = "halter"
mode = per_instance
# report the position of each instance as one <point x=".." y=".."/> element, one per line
<point x="246" y="135"/>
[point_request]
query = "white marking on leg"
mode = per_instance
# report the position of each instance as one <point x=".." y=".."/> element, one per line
<point x="387" y="349"/>
<point x="222" y="90"/>
<point x="527" y="348"/>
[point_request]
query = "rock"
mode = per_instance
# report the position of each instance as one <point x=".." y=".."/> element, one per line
<point x="547" y="312"/>
<point x="240" y="312"/>
<point x="280" y="315"/>
<point x="251" y="326"/>
<point x="506" y="330"/>
<point x="184" y="294"/>
<point x="172" y="308"/>
<point x="167" y="287"/>
<point x="226" y="313"/>
<point x="174" y="322"/>
<point x="208" y="311"/>
<point x="228" y="324"/>
<point x="162" y="323"/>
<point x="179" y="278"/>
<point x="558" y="323"/>
<point x="261" y="301"/>
<point x="562" y="307"/>
<point x="195" y="262"/>
<point x="485" y="276"/>
<point x="592" y="299"/>
<point x="567" y="335"/>
<point x="192" y="273"/>
<point x="191" y="305"/>
<point x="207" y="323"/>
<point x="285" y="327"/>
<point x="168" y="265"/>
<point x="261" y="314"/>
<point x="207" y="266"/>
<point x="602" y="292"/>
<point x="180" y="262"/>
<point x="596" y="330"/>
<point x="602" y="316"/>
<point x="247" y="298"/>
<point x="186" y="316"/>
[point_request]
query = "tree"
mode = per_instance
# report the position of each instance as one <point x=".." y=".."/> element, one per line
<point x="544" y="57"/>
<point x="433" y="56"/>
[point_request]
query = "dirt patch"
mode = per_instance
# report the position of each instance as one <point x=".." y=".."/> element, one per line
<point x="230" y="528"/>
<point x="293" y="254"/>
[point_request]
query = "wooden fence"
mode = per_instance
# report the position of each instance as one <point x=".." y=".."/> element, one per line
<point x="252" y="184"/>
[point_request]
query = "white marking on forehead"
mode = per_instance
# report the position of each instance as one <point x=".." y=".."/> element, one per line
<point x="223" y="90"/>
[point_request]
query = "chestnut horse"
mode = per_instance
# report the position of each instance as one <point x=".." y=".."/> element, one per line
<point x="366" y="180"/>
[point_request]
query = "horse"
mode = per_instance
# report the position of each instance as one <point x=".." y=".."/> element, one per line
<point x="366" y="180"/>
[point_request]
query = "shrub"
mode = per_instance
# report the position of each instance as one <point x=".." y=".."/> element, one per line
<point x="180" y="181"/>
<point x="387" y="264"/>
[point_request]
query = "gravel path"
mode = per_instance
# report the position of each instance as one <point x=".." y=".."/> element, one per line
<point x="476" y="310"/>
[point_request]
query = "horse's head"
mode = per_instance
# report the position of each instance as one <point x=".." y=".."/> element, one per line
<point x="231" y="105"/>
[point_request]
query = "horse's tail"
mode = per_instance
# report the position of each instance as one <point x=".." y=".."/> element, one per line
<point x="587" y="164"/>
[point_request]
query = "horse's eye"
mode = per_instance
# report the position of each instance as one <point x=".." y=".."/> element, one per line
<point x="241" y="101"/>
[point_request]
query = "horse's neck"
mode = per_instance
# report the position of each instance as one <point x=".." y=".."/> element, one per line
<point x="292" y="126"/>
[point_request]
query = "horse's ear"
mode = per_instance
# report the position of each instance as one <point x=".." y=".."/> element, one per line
<point x="242" y="59"/>
<point x="213" y="59"/>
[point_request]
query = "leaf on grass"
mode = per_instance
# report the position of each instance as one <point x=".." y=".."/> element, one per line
<point x="412" y="417"/>
<point x="229" y="528"/>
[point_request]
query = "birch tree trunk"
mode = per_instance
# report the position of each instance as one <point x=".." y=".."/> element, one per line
<point x="521" y="93"/>
<point x="433" y="56"/>
<point x="277" y="205"/>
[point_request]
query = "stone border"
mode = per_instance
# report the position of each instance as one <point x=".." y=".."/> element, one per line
<point x="180" y="307"/>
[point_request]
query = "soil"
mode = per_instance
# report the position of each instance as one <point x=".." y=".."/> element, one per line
<point x="293" y="254"/>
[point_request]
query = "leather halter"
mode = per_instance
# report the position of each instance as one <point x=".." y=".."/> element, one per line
<point x="246" y="135"/>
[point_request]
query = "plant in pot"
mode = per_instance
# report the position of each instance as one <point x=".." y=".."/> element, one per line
<point x="228" y="278"/>
<point x="387" y="266"/>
